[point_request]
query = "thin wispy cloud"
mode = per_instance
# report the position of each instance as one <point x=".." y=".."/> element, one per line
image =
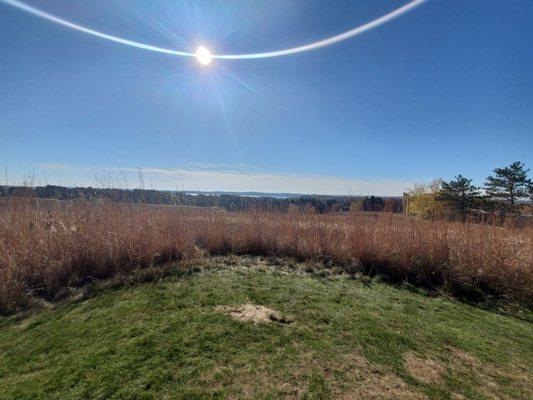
<point x="217" y="166"/>
<point x="54" y="166"/>
<point x="218" y="177"/>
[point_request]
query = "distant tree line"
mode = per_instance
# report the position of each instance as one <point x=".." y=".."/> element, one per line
<point x="504" y="192"/>
<point x="230" y="202"/>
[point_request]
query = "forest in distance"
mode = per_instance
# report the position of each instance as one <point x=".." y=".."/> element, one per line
<point x="227" y="201"/>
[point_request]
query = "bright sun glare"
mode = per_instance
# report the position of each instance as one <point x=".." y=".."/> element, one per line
<point x="203" y="55"/>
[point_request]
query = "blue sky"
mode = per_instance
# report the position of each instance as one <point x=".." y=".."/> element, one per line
<point x="443" y="90"/>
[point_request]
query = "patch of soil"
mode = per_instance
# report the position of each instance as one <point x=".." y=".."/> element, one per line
<point x="487" y="373"/>
<point x="374" y="383"/>
<point x="255" y="314"/>
<point x="458" y="396"/>
<point x="386" y="386"/>
<point x="425" y="370"/>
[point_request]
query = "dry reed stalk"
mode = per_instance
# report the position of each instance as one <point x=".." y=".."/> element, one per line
<point x="48" y="245"/>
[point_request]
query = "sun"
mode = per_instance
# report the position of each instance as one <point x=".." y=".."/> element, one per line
<point x="203" y="55"/>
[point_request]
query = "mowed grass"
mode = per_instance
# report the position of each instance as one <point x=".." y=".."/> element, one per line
<point x="350" y="339"/>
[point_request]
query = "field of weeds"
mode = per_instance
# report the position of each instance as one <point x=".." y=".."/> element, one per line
<point x="47" y="246"/>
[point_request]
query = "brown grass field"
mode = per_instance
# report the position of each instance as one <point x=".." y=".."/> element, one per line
<point x="46" y="246"/>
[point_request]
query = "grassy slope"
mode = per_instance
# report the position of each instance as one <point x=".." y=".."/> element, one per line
<point x="165" y="340"/>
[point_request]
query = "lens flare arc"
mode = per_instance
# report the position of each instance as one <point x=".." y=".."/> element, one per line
<point x="277" y="53"/>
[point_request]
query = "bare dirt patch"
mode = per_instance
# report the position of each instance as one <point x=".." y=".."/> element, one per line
<point x="488" y="375"/>
<point x="458" y="396"/>
<point x="374" y="383"/>
<point x="255" y="314"/>
<point x="424" y="369"/>
<point x="386" y="386"/>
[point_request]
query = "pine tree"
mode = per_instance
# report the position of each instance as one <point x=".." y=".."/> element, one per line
<point x="459" y="194"/>
<point x="509" y="184"/>
<point x="373" y="204"/>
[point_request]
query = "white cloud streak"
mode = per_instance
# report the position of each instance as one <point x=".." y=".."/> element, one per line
<point x="218" y="180"/>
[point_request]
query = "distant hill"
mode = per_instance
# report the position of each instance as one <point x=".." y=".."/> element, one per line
<point x="232" y="201"/>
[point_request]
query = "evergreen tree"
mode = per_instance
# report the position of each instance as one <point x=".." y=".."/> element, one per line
<point x="509" y="184"/>
<point x="373" y="204"/>
<point x="459" y="194"/>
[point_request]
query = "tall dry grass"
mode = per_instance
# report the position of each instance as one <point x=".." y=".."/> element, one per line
<point x="48" y="245"/>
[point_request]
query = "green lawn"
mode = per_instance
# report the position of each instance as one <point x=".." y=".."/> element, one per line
<point x="349" y="340"/>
